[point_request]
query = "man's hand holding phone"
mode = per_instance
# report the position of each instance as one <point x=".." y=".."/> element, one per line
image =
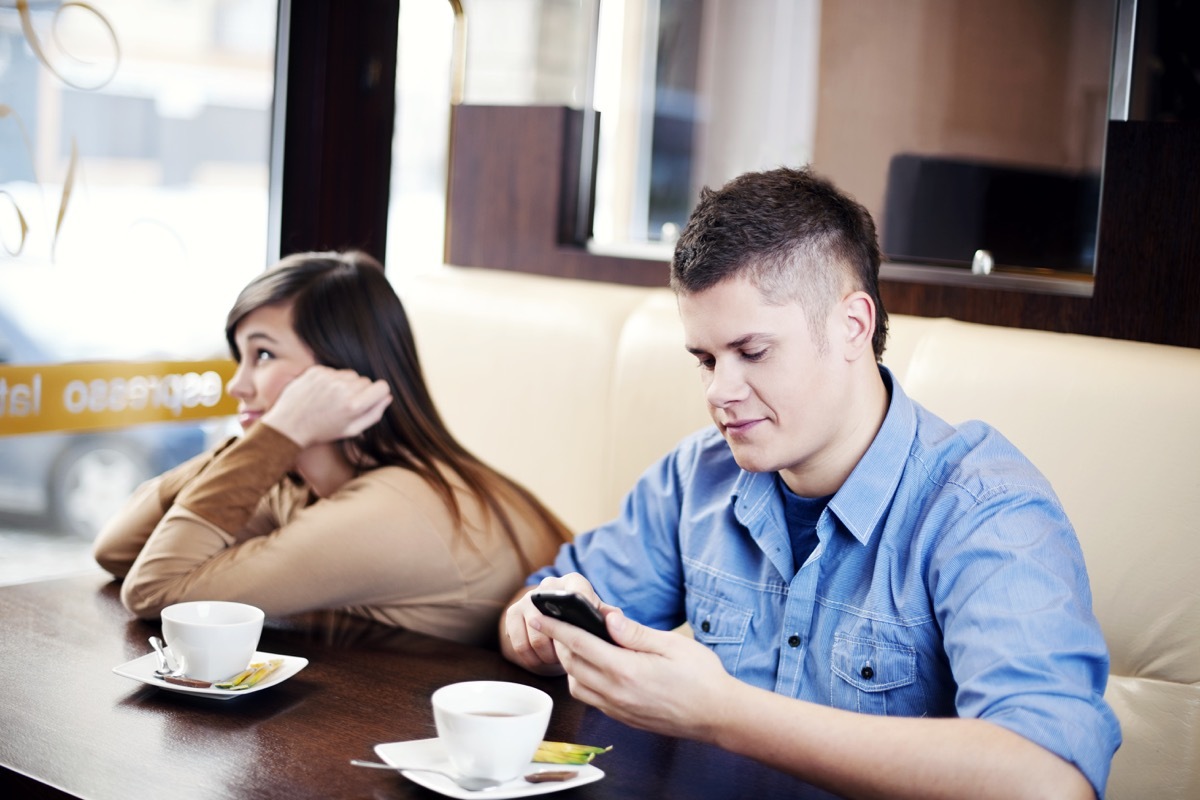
<point x="530" y="648"/>
<point x="573" y="608"/>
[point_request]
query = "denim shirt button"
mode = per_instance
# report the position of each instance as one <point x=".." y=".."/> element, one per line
<point x="794" y="640"/>
<point x="867" y="673"/>
<point x="706" y="626"/>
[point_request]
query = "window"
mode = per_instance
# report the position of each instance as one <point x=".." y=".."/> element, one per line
<point x="424" y="87"/>
<point x="133" y="206"/>
<point x="511" y="52"/>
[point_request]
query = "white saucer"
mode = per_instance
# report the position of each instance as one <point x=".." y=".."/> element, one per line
<point x="142" y="669"/>
<point x="432" y="753"/>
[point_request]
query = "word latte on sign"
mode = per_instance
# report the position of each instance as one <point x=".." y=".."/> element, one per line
<point x="21" y="399"/>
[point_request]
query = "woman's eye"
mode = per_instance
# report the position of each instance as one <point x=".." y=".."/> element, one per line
<point x="263" y="355"/>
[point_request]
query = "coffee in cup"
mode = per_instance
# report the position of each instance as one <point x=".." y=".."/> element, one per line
<point x="491" y="729"/>
<point x="212" y="640"/>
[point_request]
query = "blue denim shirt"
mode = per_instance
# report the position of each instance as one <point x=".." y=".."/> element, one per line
<point x="947" y="582"/>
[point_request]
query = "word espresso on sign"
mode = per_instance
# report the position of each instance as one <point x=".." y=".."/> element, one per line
<point x="97" y="395"/>
<point x="171" y="392"/>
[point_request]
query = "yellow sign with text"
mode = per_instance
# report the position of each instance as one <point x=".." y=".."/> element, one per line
<point x="102" y="395"/>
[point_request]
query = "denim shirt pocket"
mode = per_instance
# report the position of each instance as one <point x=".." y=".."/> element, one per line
<point x="720" y="625"/>
<point x="875" y="677"/>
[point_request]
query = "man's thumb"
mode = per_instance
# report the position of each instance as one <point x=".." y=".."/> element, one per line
<point x="623" y="630"/>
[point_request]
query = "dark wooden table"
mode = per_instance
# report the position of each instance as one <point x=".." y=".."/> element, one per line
<point x="70" y="727"/>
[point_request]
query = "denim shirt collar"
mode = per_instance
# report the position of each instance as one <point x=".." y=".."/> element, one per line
<point x="862" y="501"/>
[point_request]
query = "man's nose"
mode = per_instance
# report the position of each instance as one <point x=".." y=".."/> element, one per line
<point x="726" y="385"/>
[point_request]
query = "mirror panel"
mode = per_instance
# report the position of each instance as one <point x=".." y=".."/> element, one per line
<point x="962" y="125"/>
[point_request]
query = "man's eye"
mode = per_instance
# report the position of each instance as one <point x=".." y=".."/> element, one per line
<point x="705" y="363"/>
<point x="755" y="356"/>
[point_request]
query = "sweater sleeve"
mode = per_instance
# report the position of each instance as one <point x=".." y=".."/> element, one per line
<point x="237" y="480"/>
<point x="122" y="538"/>
<point x="199" y="515"/>
<point x="341" y="551"/>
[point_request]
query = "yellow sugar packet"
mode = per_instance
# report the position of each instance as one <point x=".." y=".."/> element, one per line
<point x="250" y="676"/>
<point x="567" y="753"/>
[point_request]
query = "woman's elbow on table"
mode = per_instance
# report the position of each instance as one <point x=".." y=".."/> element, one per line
<point x="139" y="603"/>
<point x="115" y="550"/>
<point x="122" y="538"/>
<point x="113" y="563"/>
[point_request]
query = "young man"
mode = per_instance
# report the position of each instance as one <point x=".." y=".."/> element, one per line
<point x="882" y="604"/>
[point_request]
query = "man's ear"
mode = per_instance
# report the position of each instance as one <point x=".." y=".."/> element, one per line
<point x="858" y="325"/>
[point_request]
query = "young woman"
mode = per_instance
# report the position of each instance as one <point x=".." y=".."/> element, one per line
<point x="345" y="490"/>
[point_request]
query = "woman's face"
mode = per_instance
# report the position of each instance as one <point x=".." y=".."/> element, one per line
<point x="271" y="356"/>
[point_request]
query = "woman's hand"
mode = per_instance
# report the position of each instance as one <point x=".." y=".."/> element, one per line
<point x="323" y="404"/>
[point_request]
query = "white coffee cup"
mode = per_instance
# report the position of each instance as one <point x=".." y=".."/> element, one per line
<point x="491" y="729"/>
<point x="212" y="640"/>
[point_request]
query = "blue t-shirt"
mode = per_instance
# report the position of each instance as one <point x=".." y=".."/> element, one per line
<point x="801" y="515"/>
<point x="947" y="581"/>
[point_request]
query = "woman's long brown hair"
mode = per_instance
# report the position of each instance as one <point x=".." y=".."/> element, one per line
<point x="346" y="311"/>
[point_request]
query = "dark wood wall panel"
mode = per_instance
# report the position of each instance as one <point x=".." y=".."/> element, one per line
<point x="510" y="167"/>
<point x="988" y="306"/>
<point x="338" y="114"/>
<point x="511" y="196"/>
<point x="1148" y="256"/>
<point x="1147" y="283"/>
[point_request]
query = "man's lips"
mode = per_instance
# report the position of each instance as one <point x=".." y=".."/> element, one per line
<point x="736" y="427"/>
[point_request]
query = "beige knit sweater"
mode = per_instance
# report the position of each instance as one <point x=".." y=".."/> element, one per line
<point x="232" y="525"/>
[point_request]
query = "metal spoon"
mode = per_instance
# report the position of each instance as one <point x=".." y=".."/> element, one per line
<point x="470" y="784"/>
<point x="169" y="675"/>
<point x="164" y="669"/>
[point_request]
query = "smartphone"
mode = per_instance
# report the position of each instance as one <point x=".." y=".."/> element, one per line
<point x="571" y="607"/>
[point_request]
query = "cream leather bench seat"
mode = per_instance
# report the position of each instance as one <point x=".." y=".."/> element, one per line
<point x="521" y="370"/>
<point x="1115" y="426"/>
<point x="574" y="388"/>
